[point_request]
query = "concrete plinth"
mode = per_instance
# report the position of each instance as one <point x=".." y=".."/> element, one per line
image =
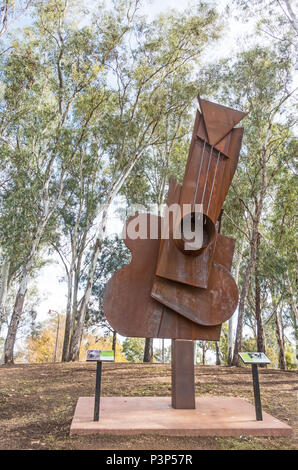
<point x="213" y="416"/>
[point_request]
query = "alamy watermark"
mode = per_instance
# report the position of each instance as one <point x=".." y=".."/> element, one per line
<point x="180" y="222"/>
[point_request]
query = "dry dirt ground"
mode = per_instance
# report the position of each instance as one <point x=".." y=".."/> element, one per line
<point x="37" y="403"/>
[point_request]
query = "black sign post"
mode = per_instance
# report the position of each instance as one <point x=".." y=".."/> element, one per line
<point x="258" y="405"/>
<point x="97" y="391"/>
<point x="255" y="358"/>
<point x="99" y="356"/>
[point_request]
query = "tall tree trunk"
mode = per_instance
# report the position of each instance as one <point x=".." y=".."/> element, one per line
<point x="57" y="338"/>
<point x="67" y="329"/>
<point x="281" y="351"/>
<point x="259" y="202"/>
<point x="15" y="319"/>
<point x="258" y="313"/>
<point x="76" y="338"/>
<point x="231" y="320"/>
<point x="148" y="350"/>
<point x="196" y="347"/>
<point x="230" y="341"/>
<point x="76" y="268"/>
<point x="203" y="353"/>
<point x="296" y="338"/>
<point x="243" y="297"/>
<point x="20" y="297"/>
<point x="4" y="290"/>
<point x="282" y="329"/>
<point x="218" y="361"/>
<point x="114" y="342"/>
<point x="293" y="312"/>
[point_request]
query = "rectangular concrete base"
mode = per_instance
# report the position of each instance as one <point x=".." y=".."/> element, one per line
<point x="213" y="416"/>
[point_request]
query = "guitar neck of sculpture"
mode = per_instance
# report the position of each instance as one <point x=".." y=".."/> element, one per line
<point x="212" y="160"/>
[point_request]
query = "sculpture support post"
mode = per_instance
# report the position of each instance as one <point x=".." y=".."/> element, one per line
<point x="183" y="380"/>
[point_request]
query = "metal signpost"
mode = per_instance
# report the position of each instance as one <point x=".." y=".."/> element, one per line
<point x="255" y="358"/>
<point x="100" y="357"/>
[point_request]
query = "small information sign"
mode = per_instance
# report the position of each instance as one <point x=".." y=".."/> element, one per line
<point x="254" y="358"/>
<point x="100" y="355"/>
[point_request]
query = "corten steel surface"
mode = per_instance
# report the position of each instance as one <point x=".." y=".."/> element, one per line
<point x="168" y="291"/>
<point x="213" y="416"/>
<point x="211" y="306"/>
<point x="219" y="120"/>
<point x="132" y="311"/>
<point x="183" y="375"/>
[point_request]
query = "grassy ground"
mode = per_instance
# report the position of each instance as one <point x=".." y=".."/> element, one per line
<point x="37" y="403"/>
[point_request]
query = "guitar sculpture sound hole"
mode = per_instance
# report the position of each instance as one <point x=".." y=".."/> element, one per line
<point x="197" y="233"/>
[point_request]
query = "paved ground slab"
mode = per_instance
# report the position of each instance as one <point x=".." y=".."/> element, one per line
<point x="213" y="416"/>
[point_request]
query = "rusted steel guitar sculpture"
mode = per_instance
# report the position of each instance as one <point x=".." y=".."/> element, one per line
<point x="167" y="290"/>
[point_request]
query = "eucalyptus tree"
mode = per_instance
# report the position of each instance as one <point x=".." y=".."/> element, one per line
<point x="11" y="11"/>
<point x="54" y="89"/>
<point x="153" y="54"/>
<point x="271" y="299"/>
<point x="148" y="181"/>
<point x="4" y="289"/>
<point x="77" y="211"/>
<point x="280" y="264"/>
<point x="276" y="19"/>
<point x="259" y="81"/>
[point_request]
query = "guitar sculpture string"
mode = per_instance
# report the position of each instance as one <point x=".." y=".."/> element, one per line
<point x="215" y="171"/>
<point x="199" y="174"/>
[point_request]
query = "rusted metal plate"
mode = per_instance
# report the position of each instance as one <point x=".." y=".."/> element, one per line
<point x="224" y="251"/>
<point x="183" y="375"/>
<point x="219" y="120"/>
<point x="229" y="147"/>
<point x="175" y="265"/>
<point x="209" y="174"/>
<point x="211" y="306"/>
<point x="223" y="144"/>
<point x="128" y="304"/>
<point x="177" y="326"/>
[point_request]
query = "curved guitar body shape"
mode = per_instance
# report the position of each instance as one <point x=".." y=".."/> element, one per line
<point x="166" y="291"/>
<point x="132" y="311"/>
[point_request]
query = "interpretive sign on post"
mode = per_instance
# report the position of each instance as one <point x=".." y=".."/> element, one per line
<point x="255" y="358"/>
<point x="99" y="357"/>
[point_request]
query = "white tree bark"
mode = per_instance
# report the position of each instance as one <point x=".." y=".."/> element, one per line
<point x="4" y="290"/>
<point x="80" y="315"/>
<point x="47" y="211"/>
<point x="231" y="321"/>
